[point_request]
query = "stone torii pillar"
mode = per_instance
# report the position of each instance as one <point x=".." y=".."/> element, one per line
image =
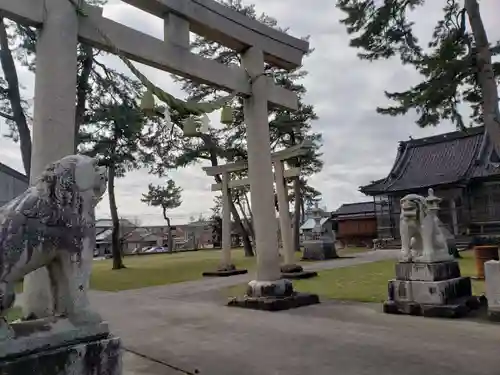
<point x="289" y="270"/>
<point x="53" y="117"/>
<point x="226" y="268"/>
<point x="262" y="44"/>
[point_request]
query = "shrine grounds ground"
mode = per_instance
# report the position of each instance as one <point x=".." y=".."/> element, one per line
<point x="362" y="283"/>
<point x="185" y="328"/>
<point x="165" y="269"/>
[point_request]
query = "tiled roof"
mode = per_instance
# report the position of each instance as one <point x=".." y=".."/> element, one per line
<point x="358" y="209"/>
<point x="12" y="172"/>
<point x="439" y="160"/>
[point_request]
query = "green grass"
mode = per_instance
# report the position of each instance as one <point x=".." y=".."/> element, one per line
<point x="164" y="269"/>
<point x="160" y="269"/>
<point x="362" y="283"/>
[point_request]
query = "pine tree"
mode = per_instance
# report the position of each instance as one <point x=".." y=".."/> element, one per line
<point x="112" y="132"/>
<point x="456" y="65"/>
<point x="167" y="197"/>
<point x="286" y="129"/>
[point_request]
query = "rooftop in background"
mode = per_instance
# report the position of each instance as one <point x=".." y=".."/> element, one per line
<point x="12" y="172"/>
<point x="445" y="159"/>
<point x="355" y="210"/>
<point x="310" y="223"/>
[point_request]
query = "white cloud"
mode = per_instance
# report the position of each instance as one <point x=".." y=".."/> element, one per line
<point x="359" y="144"/>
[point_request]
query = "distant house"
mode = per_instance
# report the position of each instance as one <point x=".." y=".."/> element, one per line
<point x="12" y="183"/>
<point x="356" y="223"/>
<point x="462" y="168"/>
<point x="104" y="231"/>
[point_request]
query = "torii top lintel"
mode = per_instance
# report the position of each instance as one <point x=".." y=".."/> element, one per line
<point x="288" y="153"/>
<point x="170" y="57"/>
<point x="222" y="24"/>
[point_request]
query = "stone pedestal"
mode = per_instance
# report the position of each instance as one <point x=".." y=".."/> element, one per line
<point x="430" y="289"/>
<point x="320" y="249"/>
<point x="49" y="346"/>
<point x="225" y="271"/>
<point x="273" y="296"/>
<point x="296" y="272"/>
<point x="492" y="280"/>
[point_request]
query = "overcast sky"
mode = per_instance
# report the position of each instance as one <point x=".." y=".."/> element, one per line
<point x="359" y="145"/>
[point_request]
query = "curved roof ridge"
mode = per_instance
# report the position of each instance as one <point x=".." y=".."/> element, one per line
<point x="443" y="159"/>
<point x="445" y="137"/>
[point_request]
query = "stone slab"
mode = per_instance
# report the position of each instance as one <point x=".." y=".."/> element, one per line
<point x="224" y="273"/>
<point x="430" y="292"/>
<point x="298" y="275"/>
<point x="419" y="271"/>
<point x="44" y="334"/>
<point x="94" y="357"/>
<point x="275" y="303"/>
<point x="455" y="309"/>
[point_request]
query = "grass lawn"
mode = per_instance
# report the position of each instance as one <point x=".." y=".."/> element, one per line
<point x="362" y="283"/>
<point x="160" y="269"/>
<point x="164" y="269"/>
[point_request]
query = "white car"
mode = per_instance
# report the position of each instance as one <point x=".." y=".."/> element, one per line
<point x="157" y="249"/>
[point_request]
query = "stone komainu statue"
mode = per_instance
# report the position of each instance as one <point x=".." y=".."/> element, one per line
<point x="422" y="238"/>
<point x="52" y="224"/>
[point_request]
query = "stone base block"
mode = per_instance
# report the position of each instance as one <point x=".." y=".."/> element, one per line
<point x="90" y="357"/>
<point x="29" y="336"/>
<point x="298" y="275"/>
<point x="454" y="309"/>
<point x="275" y="303"/>
<point x="430" y="292"/>
<point x="427" y="271"/>
<point x="224" y="273"/>
<point x="276" y="288"/>
<point x="319" y="250"/>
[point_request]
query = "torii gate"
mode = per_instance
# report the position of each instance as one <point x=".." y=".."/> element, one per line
<point x="289" y="269"/>
<point x="56" y="71"/>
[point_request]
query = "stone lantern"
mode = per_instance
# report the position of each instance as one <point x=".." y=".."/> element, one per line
<point x="321" y="244"/>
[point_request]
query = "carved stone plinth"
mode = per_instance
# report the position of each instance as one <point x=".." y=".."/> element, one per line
<point x="49" y="346"/>
<point x="427" y="271"/>
<point x="273" y="296"/>
<point x="430" y="289"/>
<point x="321" y="249"/>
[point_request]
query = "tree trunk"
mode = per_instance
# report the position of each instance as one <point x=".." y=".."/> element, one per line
<point x="170" y="239"/>
<point x="10" y="73"/>
<point x="115" y="237"/>
<point x="302" y="210"/>
<point x="249" y="220"/>
<point x="486" y="75"/>
<point x="82" y="88"/>
<point x="296" y="223"/>
<point x="246" y="220"/>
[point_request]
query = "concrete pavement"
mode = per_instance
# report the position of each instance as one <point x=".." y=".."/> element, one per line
<point x="182" y="331"/>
